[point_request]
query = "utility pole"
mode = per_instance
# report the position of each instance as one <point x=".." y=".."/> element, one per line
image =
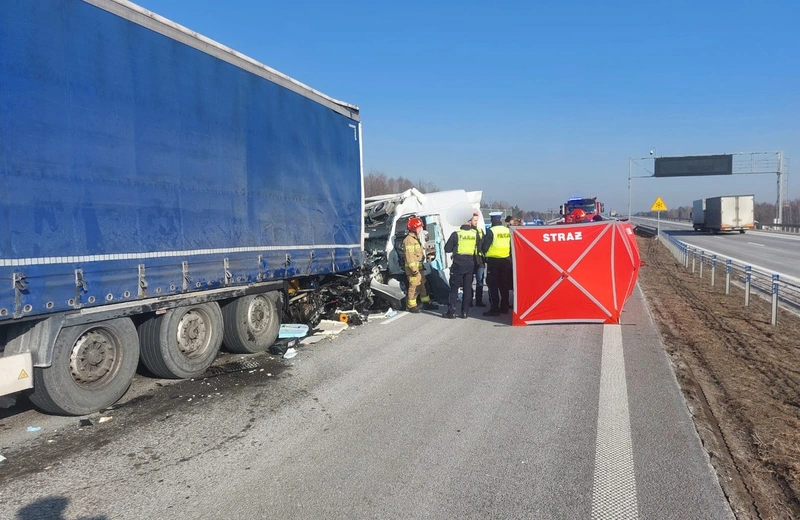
<point x="630" y="160"/>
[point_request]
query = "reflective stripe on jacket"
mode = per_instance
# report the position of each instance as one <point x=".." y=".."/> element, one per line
<point x="415" y="253"/>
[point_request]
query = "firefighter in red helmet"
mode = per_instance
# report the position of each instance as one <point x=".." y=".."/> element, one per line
<point x="576" y="216"/>
<point x="415" y="254"/>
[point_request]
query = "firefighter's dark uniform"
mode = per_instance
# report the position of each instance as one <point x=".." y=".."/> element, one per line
<point x="464" y="246"/>
<point x="497" y="250"/>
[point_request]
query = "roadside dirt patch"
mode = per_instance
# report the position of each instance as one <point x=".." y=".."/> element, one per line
<point x="740" y="377"/>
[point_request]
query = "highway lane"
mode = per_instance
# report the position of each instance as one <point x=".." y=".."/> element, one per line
<point x="779" y="253"/>
<point x="413" y="417"/>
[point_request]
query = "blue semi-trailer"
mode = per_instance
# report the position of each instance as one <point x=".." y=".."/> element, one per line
<point x="161" y="193"/>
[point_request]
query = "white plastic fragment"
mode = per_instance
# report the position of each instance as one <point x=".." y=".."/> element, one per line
<point x="310" y="340"/>
<point x="292" y="330"/>
<point x="329" y="328"/>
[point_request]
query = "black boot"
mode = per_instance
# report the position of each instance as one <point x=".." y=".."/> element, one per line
<point x="479" y="297"/>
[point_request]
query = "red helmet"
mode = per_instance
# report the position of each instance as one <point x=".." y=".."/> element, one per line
<point x="414" y="223"/>
<point x="578" y="215"/>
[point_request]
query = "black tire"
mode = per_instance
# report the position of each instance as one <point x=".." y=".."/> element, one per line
<point x="252" y="323"/>
<point x="199" y="328"/>
<point x="93" y="366"/>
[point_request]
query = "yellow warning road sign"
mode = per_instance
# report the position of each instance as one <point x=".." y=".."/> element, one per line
<point x="659" y="205"/>
<point x="23" y="374"/>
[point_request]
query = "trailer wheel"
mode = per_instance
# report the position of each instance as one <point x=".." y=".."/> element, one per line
<point x="183" y="342"/>
<point x="251" y="324"/>
<point x="93" y="366"/>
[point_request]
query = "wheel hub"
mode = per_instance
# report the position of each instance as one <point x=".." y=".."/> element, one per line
<point x="93" y="357"/>
<point x="258" y="315"/>
<point x="192" y="333"/>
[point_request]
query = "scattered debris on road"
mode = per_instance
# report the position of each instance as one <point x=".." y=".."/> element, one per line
<point x="292" y="330"/>
<point x="310" y="340"/>
<point x="280" y="347"/>
<point x="329" y="328"/>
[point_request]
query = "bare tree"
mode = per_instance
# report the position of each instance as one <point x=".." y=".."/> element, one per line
<point x="376" y="183"/>
<point x="404" y="184"/>
<point x="426" y="187"/>
<point x="765" y="213"/>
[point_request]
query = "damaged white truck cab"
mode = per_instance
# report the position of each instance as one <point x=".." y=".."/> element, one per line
<point x="385" y="221"/>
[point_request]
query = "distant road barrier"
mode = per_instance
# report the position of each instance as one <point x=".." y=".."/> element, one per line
<point x="645" y="231"/>
<point x="783" y="290"/>
<point x="783" y="228"/>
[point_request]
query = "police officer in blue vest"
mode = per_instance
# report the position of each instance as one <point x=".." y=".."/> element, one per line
<point x="463" y="244"/>
<point x="497" y="250"/>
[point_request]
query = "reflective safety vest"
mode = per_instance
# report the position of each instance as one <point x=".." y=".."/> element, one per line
<point x="480" y="237"/>
<point x="501" y="243"/>
<point x="467" y="242"/>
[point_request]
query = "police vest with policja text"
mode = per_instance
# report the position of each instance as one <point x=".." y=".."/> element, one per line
<point x="467" y="242"/>
<point x="501" y="243"/>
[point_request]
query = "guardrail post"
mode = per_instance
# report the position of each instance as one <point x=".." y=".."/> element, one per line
<point x="686" y="258"/>
<point x="747" y="275"/>
<point x="694" y="259"/>
<point x="713" y="269"/>
<point x="727" y="276"/>
<point x="702" y="261"/>
<point x="775" y="299"/>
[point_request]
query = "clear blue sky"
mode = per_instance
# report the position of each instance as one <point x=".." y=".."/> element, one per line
<point x="535" y="101"/>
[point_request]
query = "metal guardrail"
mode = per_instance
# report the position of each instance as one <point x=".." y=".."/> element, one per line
<point x="645" y="231"/>
<point x="785" y="291"/>
<point x="781" y="228"/>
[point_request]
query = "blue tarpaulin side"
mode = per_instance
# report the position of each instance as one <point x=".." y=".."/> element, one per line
<point x="120" y="147"/>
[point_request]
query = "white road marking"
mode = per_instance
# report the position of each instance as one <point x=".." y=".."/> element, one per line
<point x="397" y="317"/>
<point x="614" y="486"/>
<point x="755" y="244"/>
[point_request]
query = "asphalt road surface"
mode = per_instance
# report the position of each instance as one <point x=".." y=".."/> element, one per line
<point x="413" y="417"/>
<point x="772" y="251"/>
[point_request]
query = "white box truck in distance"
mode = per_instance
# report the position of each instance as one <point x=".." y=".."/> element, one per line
<point x="728" y="213"/>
